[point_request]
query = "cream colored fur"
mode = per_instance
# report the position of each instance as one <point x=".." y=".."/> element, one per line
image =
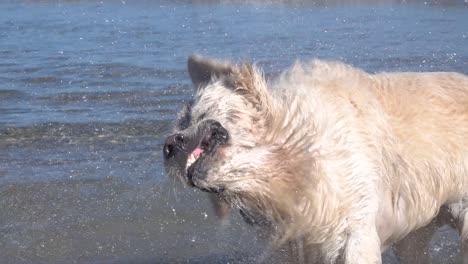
<point x="347" y="161"/>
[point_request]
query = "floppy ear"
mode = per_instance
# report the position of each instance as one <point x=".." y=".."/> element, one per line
<point x="203" y="70"/>
<point x="246" y="79"/>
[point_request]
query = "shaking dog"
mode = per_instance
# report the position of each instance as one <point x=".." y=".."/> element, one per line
<point x="348" y="162"/>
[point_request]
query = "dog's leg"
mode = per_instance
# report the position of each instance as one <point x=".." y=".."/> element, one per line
<point x="460" y="213"/>
<point x="221" y="208"/>
<point x="462" y="224"/>
<point x="363" y="246"/>
<point x="300" y="253"/>
<point x="464" y="234"/>
<point x="296" y="251"/>
<point x="413" y="249"/>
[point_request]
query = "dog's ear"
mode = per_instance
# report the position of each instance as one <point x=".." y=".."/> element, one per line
<point x="203" y="70"/>
<point x="248" y="81"/>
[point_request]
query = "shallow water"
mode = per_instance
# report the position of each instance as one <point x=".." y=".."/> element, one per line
<point x="88" y="90"/>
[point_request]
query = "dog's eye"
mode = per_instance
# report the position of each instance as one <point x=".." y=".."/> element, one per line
<point x="218" y="132"/>
<point x="185" y="117"/>
<point x="201" y="117"/>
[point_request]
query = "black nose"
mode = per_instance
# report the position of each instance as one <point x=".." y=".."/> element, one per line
<point x="173" y="142"/>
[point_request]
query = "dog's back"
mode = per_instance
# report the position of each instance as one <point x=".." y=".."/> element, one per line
<point x="412" y="126"/>
<point x="428" y="118"/>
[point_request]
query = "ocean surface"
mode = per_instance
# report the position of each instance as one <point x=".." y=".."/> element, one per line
<point x="89" y="89"/>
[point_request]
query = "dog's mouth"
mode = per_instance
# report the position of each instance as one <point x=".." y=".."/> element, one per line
<point x="200" y="160"/>
<point x="192" y="157"/>
<point x="191" y="154"/>
<point x="195" y="161"/>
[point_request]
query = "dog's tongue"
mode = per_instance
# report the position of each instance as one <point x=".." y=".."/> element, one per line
<point x="197" y="152"/>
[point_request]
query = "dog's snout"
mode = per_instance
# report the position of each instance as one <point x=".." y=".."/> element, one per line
<point x="172" y="143"/>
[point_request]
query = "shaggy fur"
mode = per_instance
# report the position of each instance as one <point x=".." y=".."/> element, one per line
<point x="346" y="161"/>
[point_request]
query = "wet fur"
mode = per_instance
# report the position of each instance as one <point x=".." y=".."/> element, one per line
<point x="346" y="161"/>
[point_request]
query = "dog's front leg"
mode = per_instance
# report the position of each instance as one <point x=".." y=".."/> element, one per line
<point x="303" y="254"/>
<point x="460" y="213"/>
<point x="463" y="227"/>
<point x="363" y="246"/>
<point x="414" y="248"/>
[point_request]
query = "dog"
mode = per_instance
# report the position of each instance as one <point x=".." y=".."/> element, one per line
<point x="346" y="161"/>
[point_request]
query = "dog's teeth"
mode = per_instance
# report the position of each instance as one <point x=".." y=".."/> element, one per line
<point x="190" y="160"/>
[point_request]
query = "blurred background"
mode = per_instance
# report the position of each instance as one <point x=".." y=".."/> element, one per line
<point x="89" y="89"/>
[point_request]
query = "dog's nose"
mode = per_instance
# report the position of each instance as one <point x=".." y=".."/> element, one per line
<point x="172" y="143"/>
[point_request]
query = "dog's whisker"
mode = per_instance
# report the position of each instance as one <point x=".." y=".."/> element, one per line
<point x="174" y="191"/>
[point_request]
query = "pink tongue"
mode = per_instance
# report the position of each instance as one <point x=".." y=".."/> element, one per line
<point x="197" y="152"/>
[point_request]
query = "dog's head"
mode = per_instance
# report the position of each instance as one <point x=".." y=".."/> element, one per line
<point x="225" y="139"/>
<point x="216" y="131"/>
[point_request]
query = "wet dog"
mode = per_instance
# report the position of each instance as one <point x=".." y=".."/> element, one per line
<point x="348" y="162"/>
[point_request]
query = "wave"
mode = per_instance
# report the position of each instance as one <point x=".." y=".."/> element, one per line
<point x="56" y="134"/>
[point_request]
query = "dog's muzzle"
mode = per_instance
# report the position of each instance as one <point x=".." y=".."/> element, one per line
<point x="211" y="134"/>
